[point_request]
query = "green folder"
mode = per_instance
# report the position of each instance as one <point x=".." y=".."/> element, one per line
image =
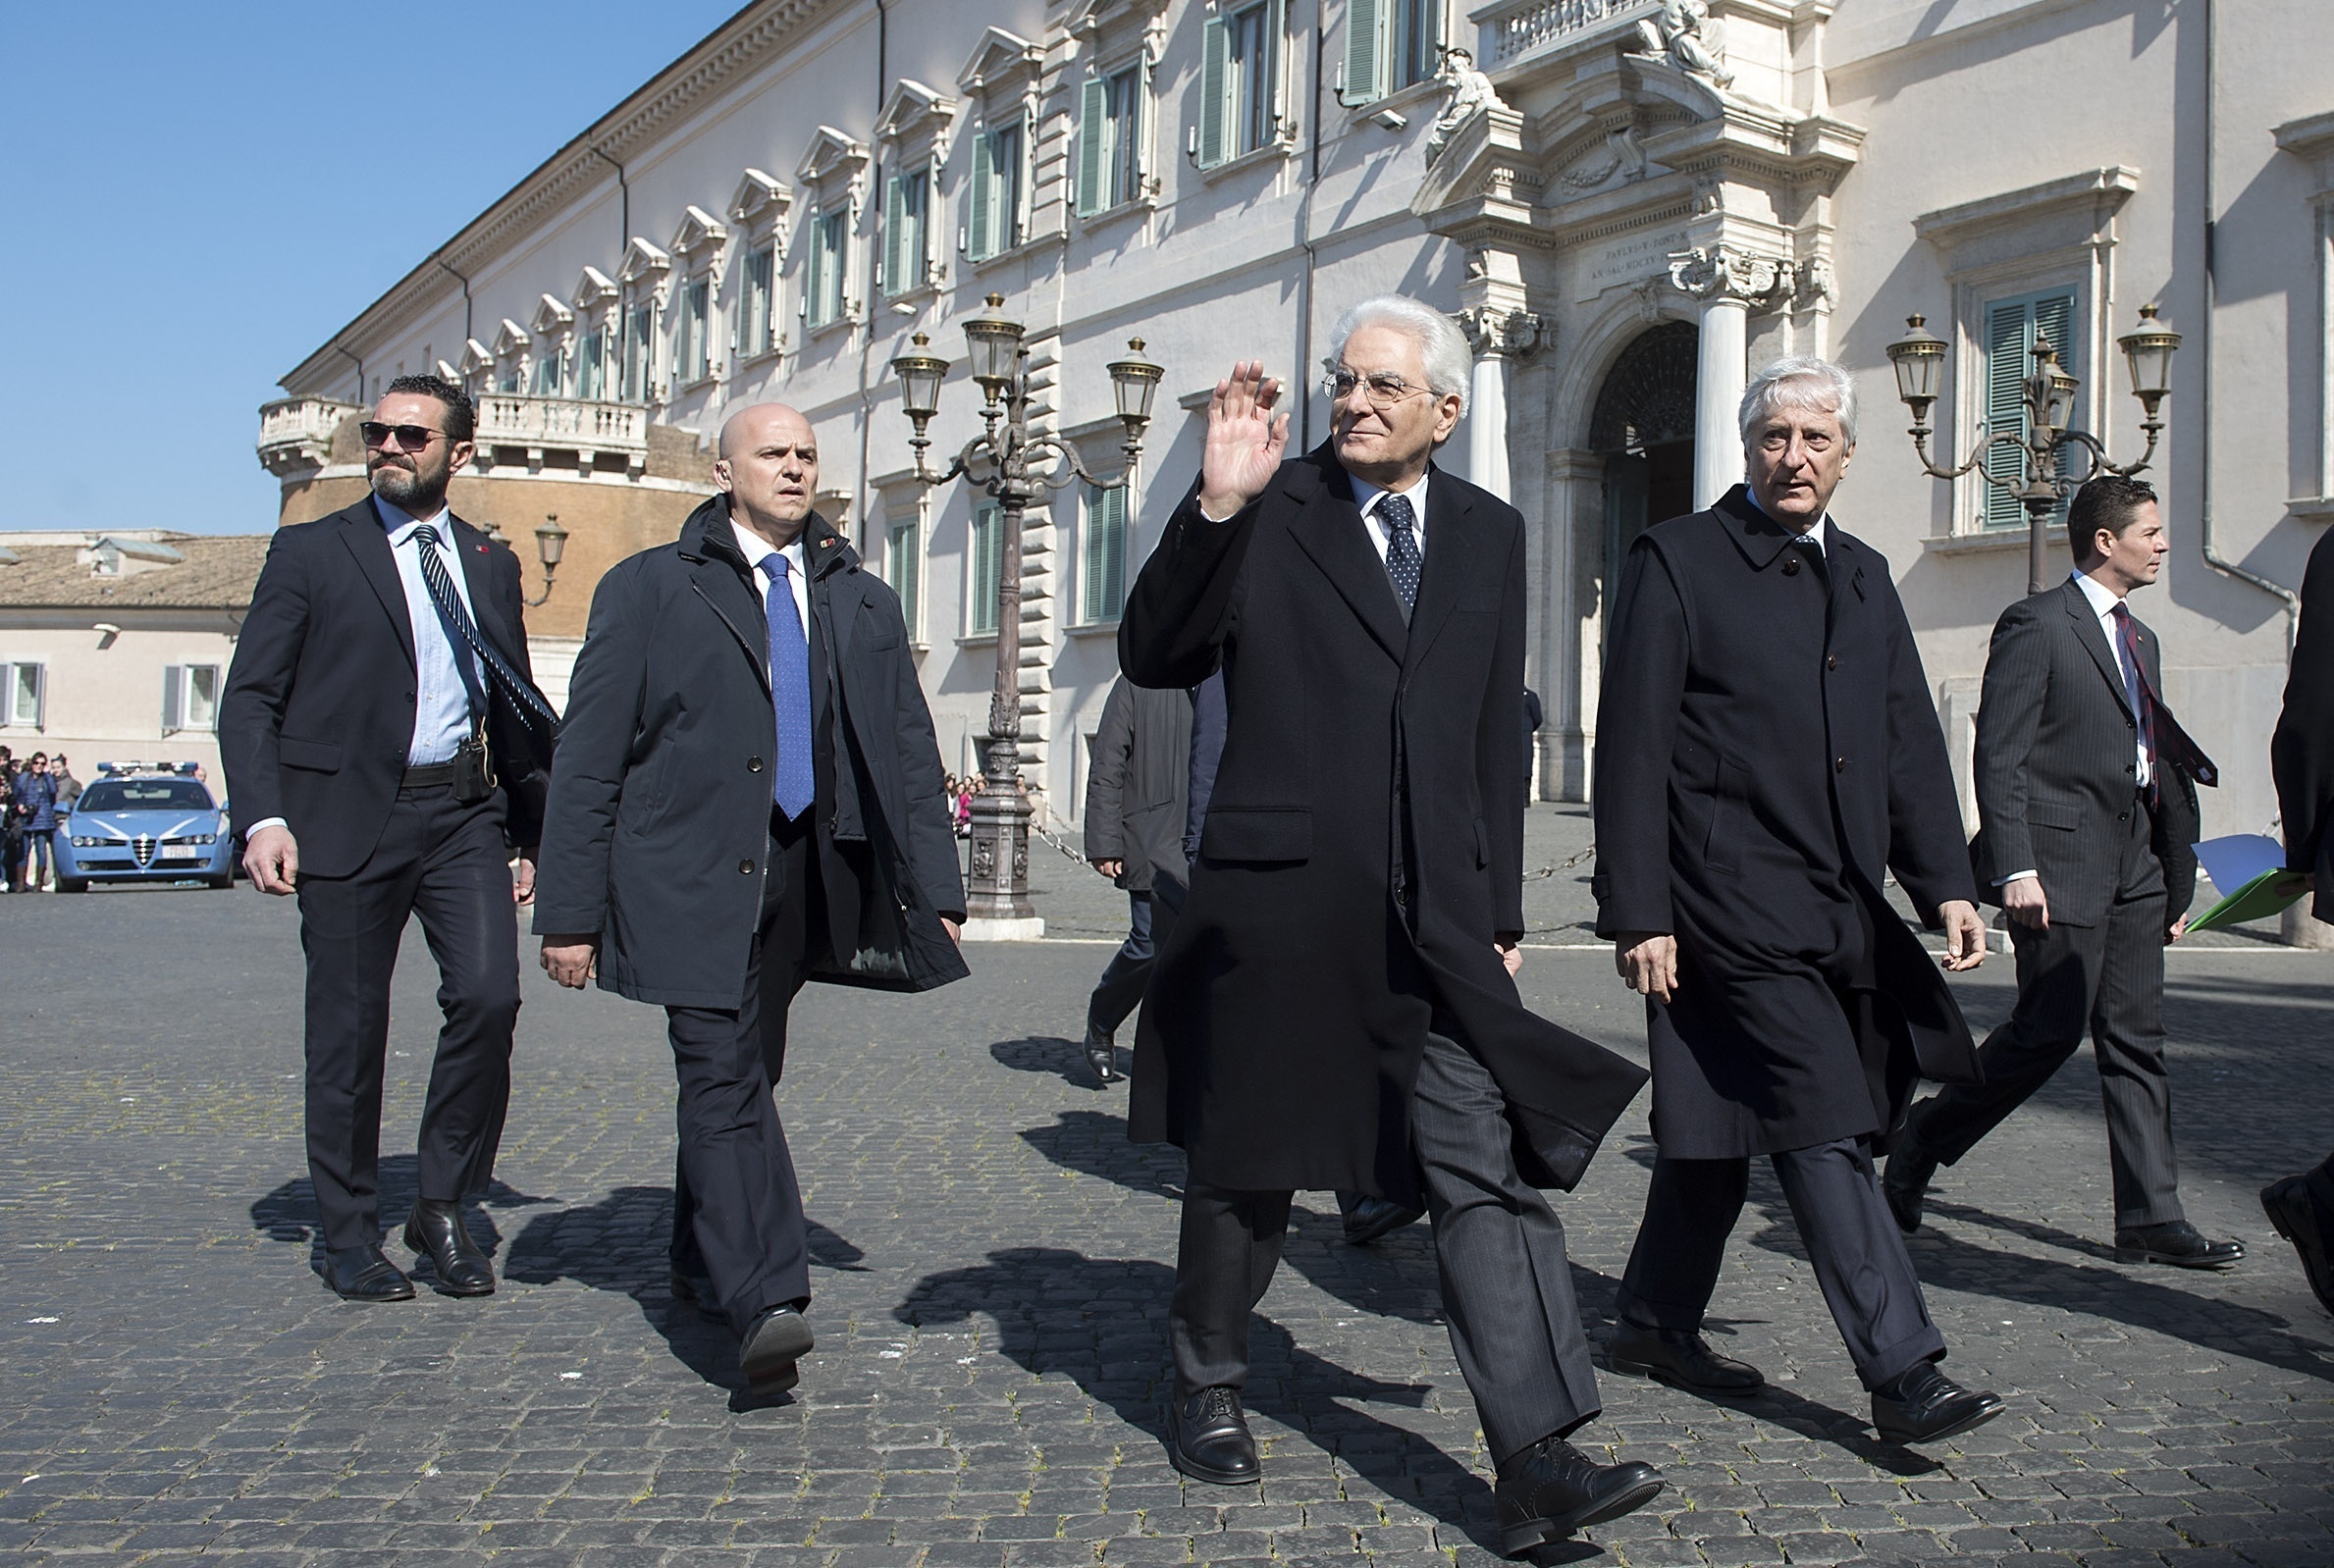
<point x="2266" y="895"/>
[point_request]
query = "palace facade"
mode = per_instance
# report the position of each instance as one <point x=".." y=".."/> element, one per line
<point x="1628" y="205"/>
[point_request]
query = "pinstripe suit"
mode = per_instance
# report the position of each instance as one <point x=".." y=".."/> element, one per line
<point x="2058" y="795"/>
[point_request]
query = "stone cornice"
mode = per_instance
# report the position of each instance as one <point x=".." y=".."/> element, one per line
<point x="720" y="58"/>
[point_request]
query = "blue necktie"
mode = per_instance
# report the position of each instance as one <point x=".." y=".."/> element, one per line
<point x="1403" y="559"/>
<point x="791" y="785"/>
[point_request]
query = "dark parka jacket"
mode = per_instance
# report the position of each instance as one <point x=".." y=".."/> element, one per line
<point x="1767" y="753"/>
<point x="658" y="819"/>
<point x="2302" y="753"/>
<point x="1362" y="848"/>
<point x="1139" y="783"/>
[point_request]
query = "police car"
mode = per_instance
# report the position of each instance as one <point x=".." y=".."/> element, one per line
<point x="144" y="822"/>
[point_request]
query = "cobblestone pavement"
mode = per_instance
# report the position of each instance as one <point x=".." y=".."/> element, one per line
<point x="992" y="1262"/>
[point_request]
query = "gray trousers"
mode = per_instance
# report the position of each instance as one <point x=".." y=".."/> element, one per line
<point x="1506" y="1287"/>
<point x="1851" y="1239"/>
<point x="2106" y="980"/>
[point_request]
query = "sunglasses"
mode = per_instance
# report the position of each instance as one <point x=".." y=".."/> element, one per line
<point x="408" y="437"/>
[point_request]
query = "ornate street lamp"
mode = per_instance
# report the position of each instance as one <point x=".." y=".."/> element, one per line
<point x="551" y="542"/>
<point x="1015" y="465"/>
<point x="2048" y="394"/>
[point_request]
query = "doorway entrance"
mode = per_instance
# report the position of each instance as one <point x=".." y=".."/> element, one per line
<point x="1644" y="425"/>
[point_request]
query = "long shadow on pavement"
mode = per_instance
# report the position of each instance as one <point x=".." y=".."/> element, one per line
<point x="288" y="1212"/>
<point x="1055" y="1055"/>
<point x="1102" y="1323"/>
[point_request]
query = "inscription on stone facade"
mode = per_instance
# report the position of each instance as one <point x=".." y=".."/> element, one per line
<point x="1625" y="260"/>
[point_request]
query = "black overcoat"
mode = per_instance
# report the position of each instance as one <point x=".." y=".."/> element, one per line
<point x="1766" y="753"/>
<point x="2302" y="751"/>
<point x="1280" y="1033"/>
<point x="317" y="718"/>
<point x="658" y="824"/>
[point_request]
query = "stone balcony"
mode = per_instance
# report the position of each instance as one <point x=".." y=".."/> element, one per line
<point x="560" y="433"/>
<point x="296" y="433"/>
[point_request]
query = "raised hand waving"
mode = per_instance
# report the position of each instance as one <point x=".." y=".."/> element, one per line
<point x="1244" y="440"/>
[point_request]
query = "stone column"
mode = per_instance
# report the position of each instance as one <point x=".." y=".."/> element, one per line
<point x="1727" y="283"/>
<point x="1497" y="337"/>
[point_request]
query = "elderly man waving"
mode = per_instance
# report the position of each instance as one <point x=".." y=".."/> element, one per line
<point x="1335" y="1008"/>
<point x="1766" y="754"/>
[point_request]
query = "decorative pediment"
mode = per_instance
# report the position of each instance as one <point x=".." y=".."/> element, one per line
<point x="699" y="230"/>
<point x="763" y="203"/>
<point x="1093" y="18"/>
<point x="511" y="339"/>
<point x="594" y="287"/>
<point x="476" y="357"/>
<point x="999" y="58"/>
<point x="833" y="156"/>
<point x="916" y="116"/>
<point x="642" y="260"/>
<point x="550" y="317"/>
<point x="447" y="372"/>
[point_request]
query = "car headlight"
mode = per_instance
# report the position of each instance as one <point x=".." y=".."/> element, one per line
<point x="204" y="838"/>
<point x="81" y="843"/>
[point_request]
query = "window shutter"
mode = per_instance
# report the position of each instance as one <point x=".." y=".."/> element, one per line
<point x="174" y="690"/>
<point x="907" y="572"/>
<point x="1093" y="119"/>
<point x="1105" y="551"/>
<point x="895" y="224"/>
<point x="982" y="616"/>
<point x="1365" y="51"/>
<point x="983" y="195"/>
<point x="2007" y="363"/>
<point x="39" y="688"/>
<point x="1215" y="76"/>
<point x="2055" y="314"/>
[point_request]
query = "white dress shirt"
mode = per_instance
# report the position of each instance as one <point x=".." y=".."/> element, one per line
<point x="1819" y="536"/>
<point x="1367" y="496"/>
<point x="2102" y="601"/>
<point x="757" y="550"/>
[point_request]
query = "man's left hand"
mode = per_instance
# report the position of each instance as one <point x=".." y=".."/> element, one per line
<point x="1965" y="935"/>
<point x="953" y="929"/>
<point x="2179" y="929"/>
<point x="1510" y="955"/>
<point x="1110" y="868"/>
<point x="522" y="879"/>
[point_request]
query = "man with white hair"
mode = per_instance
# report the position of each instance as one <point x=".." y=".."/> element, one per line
<point x="1336" y="1006"/>
<point x="1766" y="754"/>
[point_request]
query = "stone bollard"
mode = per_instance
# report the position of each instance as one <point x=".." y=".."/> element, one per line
<point x="2296" y="927"/>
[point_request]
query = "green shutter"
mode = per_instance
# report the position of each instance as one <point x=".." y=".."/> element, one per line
<point x="906" y="571"/>
<point x="982" y="616"/>
<point x="173" y="677"/>
<point x="896" y="268"/>
<point x="1216" y="75"/>
<point x="1365" y="51"/>
<point x="1093" y="120"/>
<point x="2006" y="363"/>
<point x="983" y="197"/>
<point x="1105" y="553"/>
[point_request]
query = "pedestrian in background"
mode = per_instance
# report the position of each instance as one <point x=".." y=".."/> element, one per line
<point x="1138" y="787"/>
<point x="69" y="788"/>
<point x="37" y="803"/>
<point x="2087" y="823"/>
<point x="382" y="727"/>
<point x="2302" y="756"/>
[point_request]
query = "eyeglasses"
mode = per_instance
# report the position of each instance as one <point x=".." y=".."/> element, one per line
<point x="1384" y="387"/>
<point x="409" y="438"/>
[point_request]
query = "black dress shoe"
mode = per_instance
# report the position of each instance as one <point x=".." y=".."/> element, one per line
<point x="2303" y="1214"/>
<point x="362" y="1273"/>
<point x="1209" y="1439"/>
<point x="1371" y="1217"/>
<point x="776" y="1340"/>
<point x="1906" y="1182"/>
<point x="1682" y="1360"/>
<point x="2176" y="1242"/>
<point x="1101" y="1054"/>
<point x="1924" y="1405"/>
<point x="436" y="1229"/>
<point x="1551" y="1488"/>
<point x="696" y="1287"/>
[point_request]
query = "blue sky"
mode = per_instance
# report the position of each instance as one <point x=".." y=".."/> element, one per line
<point x="195" y="196"/>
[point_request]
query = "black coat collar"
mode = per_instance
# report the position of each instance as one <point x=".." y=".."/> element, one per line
<point x="1329" y="529"/>
<point x="1762" y="540"/>
<point x="709" y="535"/>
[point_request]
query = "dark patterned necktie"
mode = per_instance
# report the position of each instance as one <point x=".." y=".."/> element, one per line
<point x="531" y="705"/>
<point x="2137" y="688"/>
<point x="1811" y="548"/>
<point x="791" y="784"/>
<point x="1403" y="559"/>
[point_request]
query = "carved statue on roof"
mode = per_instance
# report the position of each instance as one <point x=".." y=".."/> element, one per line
<point x="1470" y="93"/>
<point x="1683" y="34"/>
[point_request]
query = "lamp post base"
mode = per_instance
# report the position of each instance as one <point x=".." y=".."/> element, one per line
<point x="997" y="890"/>
<point x="978" y="929"/>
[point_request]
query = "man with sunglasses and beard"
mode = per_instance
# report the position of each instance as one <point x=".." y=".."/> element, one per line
<point x="383" y="736"/>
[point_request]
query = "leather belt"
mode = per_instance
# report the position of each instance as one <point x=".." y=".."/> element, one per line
<point x="430" y="775"/>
